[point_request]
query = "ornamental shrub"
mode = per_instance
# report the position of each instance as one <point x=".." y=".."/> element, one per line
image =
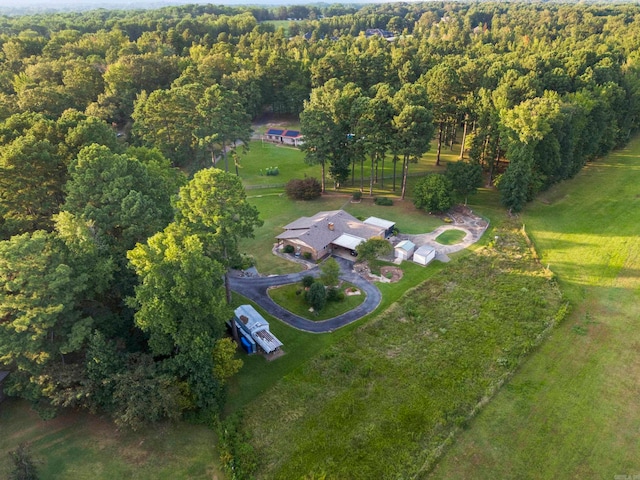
<point x="335" y="295"/>
<point x="308" y="188"/>
<point x="307" y="281"/>
<point x="288" y="249"/>
<point x="383" y="201"/>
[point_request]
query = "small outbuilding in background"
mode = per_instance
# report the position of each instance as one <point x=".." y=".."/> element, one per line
<point x="424" y="255"/>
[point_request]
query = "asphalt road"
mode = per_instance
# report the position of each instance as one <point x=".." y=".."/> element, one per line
<point x="255" y="288"/>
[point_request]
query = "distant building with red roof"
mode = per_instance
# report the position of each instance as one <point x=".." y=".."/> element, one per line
<point x="286" y="137"/>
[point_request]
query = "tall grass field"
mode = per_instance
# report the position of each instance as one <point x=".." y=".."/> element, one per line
<point x="572" y="411"/>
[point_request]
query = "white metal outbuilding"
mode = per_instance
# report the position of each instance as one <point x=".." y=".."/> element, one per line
<point x="424" y="255"/>
<point x="404" y="249"/>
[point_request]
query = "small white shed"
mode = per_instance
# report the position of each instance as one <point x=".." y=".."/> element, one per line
<point x="424" y="255"/>
<point x="404" y="249"/>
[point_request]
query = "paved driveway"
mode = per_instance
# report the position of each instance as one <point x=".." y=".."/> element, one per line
<point x="472" y="225"/>
<point x="255" y="288"/>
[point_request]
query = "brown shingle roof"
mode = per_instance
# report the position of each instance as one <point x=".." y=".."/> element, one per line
<point x="316" y="232"/>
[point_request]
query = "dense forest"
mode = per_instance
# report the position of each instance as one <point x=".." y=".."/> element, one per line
<point x="101" y="113"/>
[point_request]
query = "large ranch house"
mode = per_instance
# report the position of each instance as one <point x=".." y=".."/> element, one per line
<point x="333" y="231"/>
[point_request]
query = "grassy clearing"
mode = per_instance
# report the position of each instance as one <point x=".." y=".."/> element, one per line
<point x="291" y="297"/>
<point x="279" y="120"/>
<point x="81" y="446"/>
<point x="289" y="160"/>
<point x="258" y="375"/>
<point x="378" y="403"/>
<point x="572" y="411"/>
<point x="281" y="24"/>
<point x="450" y="237"/>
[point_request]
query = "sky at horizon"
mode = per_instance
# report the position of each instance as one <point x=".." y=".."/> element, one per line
<point x="84" y="4"/>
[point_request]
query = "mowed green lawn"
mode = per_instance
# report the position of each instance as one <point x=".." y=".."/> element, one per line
<point x="81" y="446"/>
<point x="263" y="155"/>
<point x="450" y="237"/>
<point x="572" y="411"/>
<point x="291" y="164"/>
<point x="291" y="297"/>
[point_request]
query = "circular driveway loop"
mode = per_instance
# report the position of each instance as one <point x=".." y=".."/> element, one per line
<point x="255" y="288"/>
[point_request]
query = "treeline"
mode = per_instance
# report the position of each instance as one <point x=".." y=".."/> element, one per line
<point x="576" y="65"/>
<point x="103" y="265"/>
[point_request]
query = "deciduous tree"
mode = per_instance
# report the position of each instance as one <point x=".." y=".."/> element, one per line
<point x="433" y="193"/>
<point x="372" y="249"/>
<point x="125" y="202"/>
<point x="214" y="206"/>
<point x="330" y="272"/>
<point x="223" y="122"/>
<point x="32" y="177"/>
<point x="181" y="305"/>
<point x="39" y="304"/>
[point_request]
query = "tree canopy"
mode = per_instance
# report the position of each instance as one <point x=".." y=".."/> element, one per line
<point x="112" y="264"/>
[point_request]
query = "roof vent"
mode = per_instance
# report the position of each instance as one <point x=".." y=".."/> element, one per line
<point x="331" y="226"/>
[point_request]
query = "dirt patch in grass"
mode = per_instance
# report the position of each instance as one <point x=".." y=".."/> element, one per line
<point x="393" y="274"/>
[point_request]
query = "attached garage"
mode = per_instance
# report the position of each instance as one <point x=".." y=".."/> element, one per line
<point x="424" y="255"/>
<point x="348" y="242"/>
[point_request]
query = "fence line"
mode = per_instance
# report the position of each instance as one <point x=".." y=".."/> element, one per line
<point x="258" y="187"/>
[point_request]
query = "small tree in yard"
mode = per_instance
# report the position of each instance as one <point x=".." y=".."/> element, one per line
<point x="372" y="248"/>
<point x="433" y="193"/>
<point x="330" y="272"/>
<point x="316" y="296"/>
<point x="23" y="466"/>
<point x="307" y="281"/>
<point x="465" y="178"/>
